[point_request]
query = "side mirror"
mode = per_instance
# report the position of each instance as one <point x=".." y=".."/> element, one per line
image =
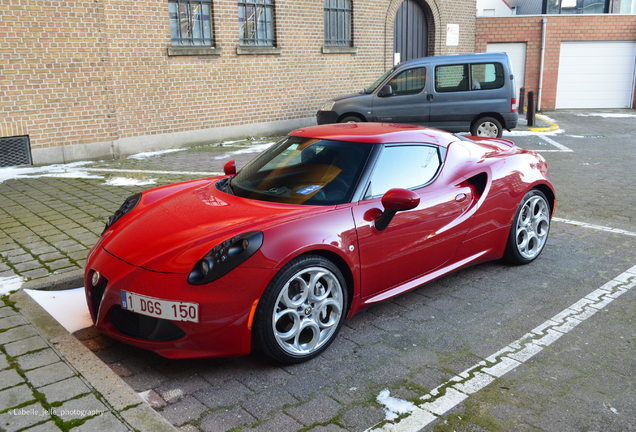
<point x="393" y="201"/>
<point x="385" y="91"/>
<point x="229" y="168"/>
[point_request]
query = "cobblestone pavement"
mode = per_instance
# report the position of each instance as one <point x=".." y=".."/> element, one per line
<point x="409" y="345"/>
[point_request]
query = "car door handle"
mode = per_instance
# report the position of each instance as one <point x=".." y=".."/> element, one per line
<point x="429" y="97"/>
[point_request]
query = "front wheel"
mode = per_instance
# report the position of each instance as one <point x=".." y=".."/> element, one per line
<point x="530" y="229"/>
<point x="301" y="310"/>
<point x="487" y="127"/>
<point x="351" y="119"/>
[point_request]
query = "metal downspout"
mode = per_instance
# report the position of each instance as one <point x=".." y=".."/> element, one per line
<point x="544" y="23"/>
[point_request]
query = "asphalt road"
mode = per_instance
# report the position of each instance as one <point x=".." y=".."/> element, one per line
<point x="580" y="379"/>
<point x="545" y="347"/>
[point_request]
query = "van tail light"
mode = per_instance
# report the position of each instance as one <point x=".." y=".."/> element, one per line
<point x="512" y="107"/>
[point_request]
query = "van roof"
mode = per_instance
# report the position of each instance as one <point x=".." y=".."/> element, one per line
<point x="473" y="57"/>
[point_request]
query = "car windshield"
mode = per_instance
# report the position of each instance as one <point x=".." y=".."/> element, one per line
<point x="304" y="171"/>
<point x="379" y="81"/>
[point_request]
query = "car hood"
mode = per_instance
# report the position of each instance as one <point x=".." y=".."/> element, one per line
<point x="174" y="226"/>
<point x="350" y="96"/>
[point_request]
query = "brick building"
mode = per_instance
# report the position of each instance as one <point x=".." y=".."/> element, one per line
<point x="588" y="59"/>
<point x="105" y="78"/>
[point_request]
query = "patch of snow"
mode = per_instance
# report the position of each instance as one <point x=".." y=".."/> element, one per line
<point x="146" y="155"/>
<point x="68" y="307"/>
<point x="8" y="284"/>
<point x="530" y="133"/>
<point x="252" y="149"/>
<point x="394" y="406"/>
<point x="607" y="115"/>
<point x="70" y="170"/>
<point x="124" y="181"/>
<point x="543" y="116"/>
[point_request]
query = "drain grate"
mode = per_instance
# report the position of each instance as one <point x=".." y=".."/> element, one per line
<point x="15" y="151"/>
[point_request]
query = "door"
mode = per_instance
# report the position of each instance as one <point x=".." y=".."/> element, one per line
<point x="407" y="102"/>
<point x="416" y="241"/>
<point x="596" y="75"/>
<point x="517" y="54"/>
<point x="410" y="32"/>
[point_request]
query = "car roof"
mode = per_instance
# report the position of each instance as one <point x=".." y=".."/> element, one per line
<point x="377" y="133"/>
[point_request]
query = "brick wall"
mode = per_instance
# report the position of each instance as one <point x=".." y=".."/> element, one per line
<point x="559" y="29"/>
<point x="83" y="73"/>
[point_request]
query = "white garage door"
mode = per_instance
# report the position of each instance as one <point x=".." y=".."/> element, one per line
<point x="596" y="75"/>
<point x="517" y="54"/>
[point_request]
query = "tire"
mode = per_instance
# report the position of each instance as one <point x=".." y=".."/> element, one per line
<point x="351" y="119"/>
<point x="529" y="230"/>
<point x="301" y="310"/>
<point x="487" y="127"/>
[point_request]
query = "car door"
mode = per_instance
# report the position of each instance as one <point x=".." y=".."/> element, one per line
<point x="407" y="102"/>
<point x="416" y="241"/>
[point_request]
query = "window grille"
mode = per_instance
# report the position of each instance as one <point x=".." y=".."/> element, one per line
<point x="191" y="22"/>
<point x="15" y="151"/>
<point x="256" y="22"/>
<point x="338" y="23"/>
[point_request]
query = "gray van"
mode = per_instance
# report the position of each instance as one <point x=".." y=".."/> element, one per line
<point x="460" y="93"/>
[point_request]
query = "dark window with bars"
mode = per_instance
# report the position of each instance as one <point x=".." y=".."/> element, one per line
<point x="338" y="23"/>
<point x="256" y="22"/>
<point x="191" y="22"/>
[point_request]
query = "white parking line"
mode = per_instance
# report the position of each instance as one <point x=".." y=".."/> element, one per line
<point x="206" y="174"/>
<point x="450" y="394"/>
<point x="561" y="147"/>
<point x="596" y="227"/>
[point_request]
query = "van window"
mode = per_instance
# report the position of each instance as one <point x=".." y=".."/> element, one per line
<point x="487" y="76"/>
<point x="411" y="81"/>
<point x="451" y="78"/>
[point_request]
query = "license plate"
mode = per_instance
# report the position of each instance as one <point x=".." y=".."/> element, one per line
<point x="154" y="307"/>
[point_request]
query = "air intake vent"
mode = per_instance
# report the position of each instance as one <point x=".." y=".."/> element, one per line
<point x="15" y="151"/>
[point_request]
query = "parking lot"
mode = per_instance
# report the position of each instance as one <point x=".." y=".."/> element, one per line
<point x="547" y="346"/>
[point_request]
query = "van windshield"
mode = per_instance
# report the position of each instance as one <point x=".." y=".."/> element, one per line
<point x="379" y="81"/>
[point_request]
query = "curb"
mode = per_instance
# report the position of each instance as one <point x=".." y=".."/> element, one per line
<point x="550" y="128"/>
<point x="123" y="401"/>
<point x="64" y="281"/>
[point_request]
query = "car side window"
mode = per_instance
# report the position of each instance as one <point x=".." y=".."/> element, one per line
<point x="403" y="166"/>
<point x="411" y="81"/>
<point x="487" y="76"/>
<point x="451" y="78"/>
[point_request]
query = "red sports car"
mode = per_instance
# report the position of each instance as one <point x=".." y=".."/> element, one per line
<point x="327" y="221"/>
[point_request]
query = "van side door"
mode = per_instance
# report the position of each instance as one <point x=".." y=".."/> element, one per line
<point x="407" y="101"/>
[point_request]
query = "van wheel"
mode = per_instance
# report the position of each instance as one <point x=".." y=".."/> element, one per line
<point x="487" y="127"/>
<point x="351" y="119"/>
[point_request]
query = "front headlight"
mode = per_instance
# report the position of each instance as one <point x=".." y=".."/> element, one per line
<point x="225" y="257"/>
<point x="130" y="203"/>
<point x="327" y="106"/>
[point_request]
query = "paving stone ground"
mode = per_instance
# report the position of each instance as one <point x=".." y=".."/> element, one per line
<point x="409" y="345"/>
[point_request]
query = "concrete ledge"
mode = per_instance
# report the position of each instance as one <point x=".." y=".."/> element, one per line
<point x="339" y="50"/>
<point x="115" y="391"/>
<point x="258" y="50"/>
<point x="194" y="51"/>
<point x="64" y="281"/>
<point x="128" y="146"/>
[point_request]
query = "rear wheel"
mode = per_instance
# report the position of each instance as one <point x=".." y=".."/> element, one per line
<point x="302" y="310"/>
<point x="487" y="127"/>
<point x="530" y="229"/>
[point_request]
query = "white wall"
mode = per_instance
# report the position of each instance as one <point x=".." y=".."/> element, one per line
<point x="493" y="8"/>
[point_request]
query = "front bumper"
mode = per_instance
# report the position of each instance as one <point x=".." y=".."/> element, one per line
<point x="224" y="308"/>
<point x="326" y="117"/>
